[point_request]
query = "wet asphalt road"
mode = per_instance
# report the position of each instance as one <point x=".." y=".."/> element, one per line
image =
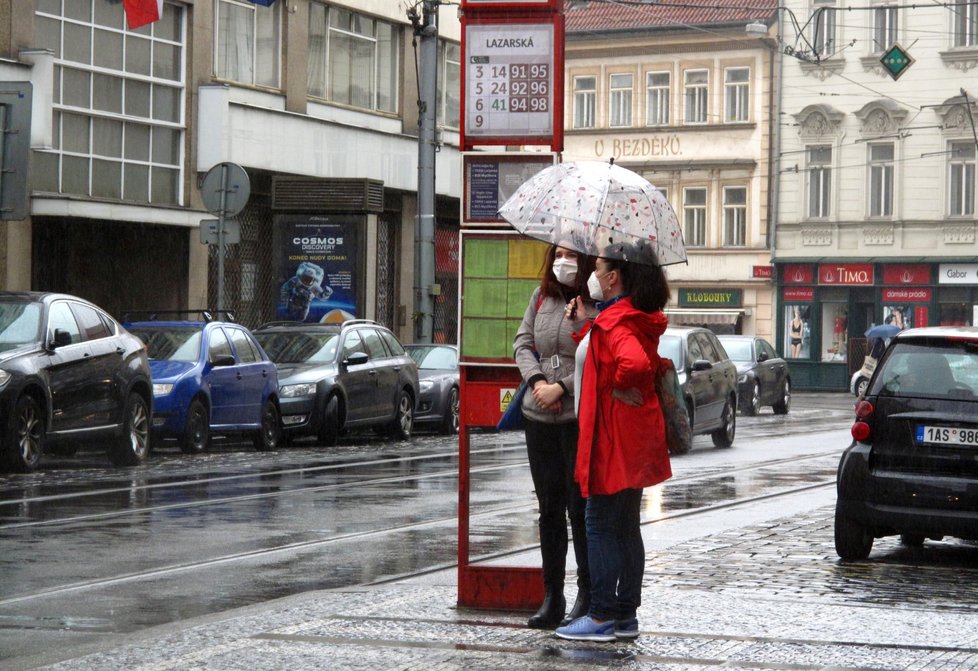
<point x="91" y="551"/>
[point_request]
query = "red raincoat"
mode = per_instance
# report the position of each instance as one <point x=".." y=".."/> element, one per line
<point x="621" y="446"/>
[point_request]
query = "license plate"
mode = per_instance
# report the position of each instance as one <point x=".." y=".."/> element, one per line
<point x="947" y="435"/>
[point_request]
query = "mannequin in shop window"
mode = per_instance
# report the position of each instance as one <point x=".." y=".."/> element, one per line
<point x="795" y="333"/>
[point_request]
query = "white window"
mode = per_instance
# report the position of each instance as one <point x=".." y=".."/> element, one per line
<point x="449" y="84"/>
<point x="881" y="180"/>
<point x="736" y="94"/>
<point x="823" y="28"/>
<point x="884" y="27"/>
<point x="248" y="42"/>
<point x="694" y="216"/>
<point x="353" y="59"/>
<point x="620" y="101"/>
<point x="819" y="180"/>
<point x="696" y="98"/>
<point x="118" y="103"/>
<point x="961" y="179"/>
<point x="657" y="98"/>
<point x="735" y="216"/>
<point x="964" y="18"/>
<point x="585" y="94"/>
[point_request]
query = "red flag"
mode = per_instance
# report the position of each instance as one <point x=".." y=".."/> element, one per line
<point x="141" y="12"/>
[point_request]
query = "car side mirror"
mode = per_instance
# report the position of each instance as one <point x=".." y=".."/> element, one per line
<point x="223" y="360"/>
<point x="701" y="364"/>
<point x="356" y="359"/>
<point x="761" y="356"/>
<point x="61" y="338"/>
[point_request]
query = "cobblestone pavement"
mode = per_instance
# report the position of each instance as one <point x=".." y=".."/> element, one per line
<point x="770" y="595"/>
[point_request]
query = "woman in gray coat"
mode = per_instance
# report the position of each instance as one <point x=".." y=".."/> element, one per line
<point x="544" y="349"/>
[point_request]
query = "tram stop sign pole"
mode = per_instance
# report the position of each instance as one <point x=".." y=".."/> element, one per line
<point x="225" y="192"/>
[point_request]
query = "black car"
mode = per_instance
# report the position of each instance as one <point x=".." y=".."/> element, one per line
<point x="911" y="469"/>
<point x="438" y="377"/>
<point x="708" y="379"/>
<point x="69" y="373"/>
<point x="762" y="375"/>
<point x="335" y="377"/>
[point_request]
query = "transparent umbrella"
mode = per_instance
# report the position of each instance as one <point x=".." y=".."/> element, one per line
<point x="600" y="209"/>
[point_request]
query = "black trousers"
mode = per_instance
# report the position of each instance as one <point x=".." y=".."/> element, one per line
<point x="552" y="452"/>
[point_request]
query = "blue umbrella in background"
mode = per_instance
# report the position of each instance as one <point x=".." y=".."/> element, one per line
<point x="883" y="331"/>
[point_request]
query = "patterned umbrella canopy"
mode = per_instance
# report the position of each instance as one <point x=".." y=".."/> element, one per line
<point x="599" y="209"/>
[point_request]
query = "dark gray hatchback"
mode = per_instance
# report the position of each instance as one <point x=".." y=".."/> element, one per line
<point x="912" y="468"/>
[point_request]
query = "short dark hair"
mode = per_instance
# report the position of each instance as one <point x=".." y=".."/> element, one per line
<point x="646" y="285"/>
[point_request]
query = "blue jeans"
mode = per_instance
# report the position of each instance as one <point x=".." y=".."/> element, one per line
<point x="616" y="554"/>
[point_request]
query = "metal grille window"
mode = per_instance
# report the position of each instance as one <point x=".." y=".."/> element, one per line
<point x="961" y="179"/>
<point x="449" y="84"/>
<point x="823" y="28"/>
<point x="694" y="216"/>
<point x="696" y="94"/>
<point x="735" y="216"/>
<point x="353" y="59"/>
<point x="881" y="180"/>
<point x="118" y="103"/>
<point x="248" y="44"/>
<point x="884" y="27"/>
<point x="819" y="180"/>
<point x="585" y="94"/>
<point x="657" y="98"/>
<point x="964" y="15"/>
<point x="736" y="83"/>
<point x="620" y="101"/>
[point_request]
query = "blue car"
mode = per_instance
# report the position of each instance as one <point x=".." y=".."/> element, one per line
<point x="209" y="377"/>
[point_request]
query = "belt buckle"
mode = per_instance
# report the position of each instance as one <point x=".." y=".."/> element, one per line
<point x="555" y="361"/>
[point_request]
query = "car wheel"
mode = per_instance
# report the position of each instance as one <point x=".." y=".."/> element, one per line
<point x="132" y="447"/>
<point x="862" y="384"/>
<point x="753" y="405"/>
<point x="449" y="425"/>
<point x="853" y="542"/>
<point x="911" y="540"/>
<point x="784" y="405"/>
<point x="25" y="444"/>
<point x="197" y="431"/>
<point x="400" y="427"/>
<point x="267" y="437"/>
<point x="329" y="431"/>
<point x="724" y="436"/>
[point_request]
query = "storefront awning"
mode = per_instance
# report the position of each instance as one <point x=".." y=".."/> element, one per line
<point x="679" y="316"/>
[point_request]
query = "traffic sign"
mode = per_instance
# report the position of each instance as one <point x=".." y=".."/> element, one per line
<point x="209" y="229"/>
<point x="225" y="189"/>
<point x="896" y="60"/>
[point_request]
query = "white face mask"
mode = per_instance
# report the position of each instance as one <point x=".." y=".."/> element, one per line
<point x="565" y="271"/>
<point x="594" y="287"/>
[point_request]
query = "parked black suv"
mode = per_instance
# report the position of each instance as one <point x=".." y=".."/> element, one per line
<point x="708" y="379"/>
<point x="912" y="467"/>
<point x="334" y="377"/>
<point x="69" y="373"/>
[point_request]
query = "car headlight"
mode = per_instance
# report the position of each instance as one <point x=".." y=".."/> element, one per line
<point x="426" y="385"/>
<point x="162" y="389"/>
<point x="296" y="390"/>
<point x="742" y="378"/>
<point x="4" y="377"/>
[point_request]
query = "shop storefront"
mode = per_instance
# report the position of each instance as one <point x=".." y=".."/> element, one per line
<point x="720" y="309"/>
<point x="826" y="309"/>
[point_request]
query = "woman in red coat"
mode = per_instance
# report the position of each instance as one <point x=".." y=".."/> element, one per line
<point x="622" y="443"/>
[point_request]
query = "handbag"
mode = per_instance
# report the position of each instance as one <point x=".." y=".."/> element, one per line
<point x="512" y="419"/>
<point x="679" y="434"/>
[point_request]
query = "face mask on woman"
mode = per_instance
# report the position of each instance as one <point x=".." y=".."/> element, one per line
<point x="594" y="287"/>
<point x="565" y="271"/>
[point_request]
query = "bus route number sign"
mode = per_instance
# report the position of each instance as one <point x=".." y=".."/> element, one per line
<point x="509" y="83"/>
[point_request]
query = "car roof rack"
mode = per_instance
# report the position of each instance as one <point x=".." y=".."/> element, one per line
<point x="353" y="322"/>
<point x="286" y="322"/>
<point x="204" y="314"/>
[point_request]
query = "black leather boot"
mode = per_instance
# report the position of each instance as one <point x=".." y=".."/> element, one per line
<point x="550" y="612"/>
<point x="582" y="604"/>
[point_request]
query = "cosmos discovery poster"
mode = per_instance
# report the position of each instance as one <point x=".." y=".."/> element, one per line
<point x="320" y="277"/>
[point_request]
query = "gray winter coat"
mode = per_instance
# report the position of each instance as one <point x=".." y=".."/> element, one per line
<point x="545" y="331"/>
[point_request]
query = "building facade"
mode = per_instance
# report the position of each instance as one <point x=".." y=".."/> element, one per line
<point x="683" y="97"/>
<point x="317" y="101"/>
<point x="875" y="179"/>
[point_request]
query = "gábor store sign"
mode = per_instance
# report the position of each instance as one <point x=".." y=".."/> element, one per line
<point x="711" y="298"/>
<point x="958" y="273"/>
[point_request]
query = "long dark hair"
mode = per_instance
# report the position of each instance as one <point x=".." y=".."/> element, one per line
<point x="549" y="286"/>
<point x="645" y="285"/>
